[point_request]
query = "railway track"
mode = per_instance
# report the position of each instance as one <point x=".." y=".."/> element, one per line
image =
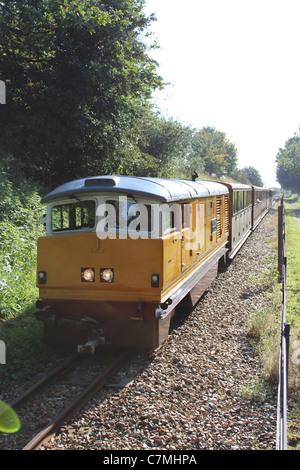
<point x="35" y="398"/>
<point x="52" y="376"/>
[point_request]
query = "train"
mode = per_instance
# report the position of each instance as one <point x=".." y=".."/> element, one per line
<point x="122" y="254"/>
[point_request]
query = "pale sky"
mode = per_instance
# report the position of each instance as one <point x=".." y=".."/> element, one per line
<point x="233" y="65"/>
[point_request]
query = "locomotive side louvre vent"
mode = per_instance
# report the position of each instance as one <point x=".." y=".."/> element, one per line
<point x="207" y="208"/>
<point x="218" y="216"/>
<point x="226" y="207"/>
<point x="219" y="203"/>
<point x="202" y="211"/>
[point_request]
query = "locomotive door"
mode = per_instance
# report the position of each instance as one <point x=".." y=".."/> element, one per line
<point x="186" y="234"/>
<point x="209" y="215"/>
<point x="200" y="219"/>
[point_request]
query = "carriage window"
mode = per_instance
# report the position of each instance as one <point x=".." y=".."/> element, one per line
<point x="73" y="216"/>
<point x="240" y="199"/>
<point x="249" y="199"/>
<point x="235" y="202"/>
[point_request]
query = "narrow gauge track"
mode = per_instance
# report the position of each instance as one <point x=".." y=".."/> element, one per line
<point x="113" y="361"/>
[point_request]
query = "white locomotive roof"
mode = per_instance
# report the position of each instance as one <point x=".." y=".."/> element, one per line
<point x="165" y="190"/>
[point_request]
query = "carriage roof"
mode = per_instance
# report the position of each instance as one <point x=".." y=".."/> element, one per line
<point x="164" y="190"/>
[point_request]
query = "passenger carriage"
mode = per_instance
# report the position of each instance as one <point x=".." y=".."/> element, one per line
<point x="261" y="203"/>
<point x="240" y="214"/>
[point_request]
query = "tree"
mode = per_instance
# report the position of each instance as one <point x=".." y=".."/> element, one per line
<point x="288" y="164"/>
<point x="253" y="176"/>
<point x="241" y="176"/>
<point x="77" y="73"/>
<point x="213" y="152"/>
<point x="164" y="145"/>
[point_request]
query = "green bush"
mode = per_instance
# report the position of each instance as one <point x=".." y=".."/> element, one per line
<point x="20" y="214"/>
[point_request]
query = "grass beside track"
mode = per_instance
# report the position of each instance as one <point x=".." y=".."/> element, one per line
<point x="264" y="325"/>
<point x="293" y="315"/>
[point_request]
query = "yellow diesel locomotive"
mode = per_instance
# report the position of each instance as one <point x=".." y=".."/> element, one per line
<point x="120" y="254"/>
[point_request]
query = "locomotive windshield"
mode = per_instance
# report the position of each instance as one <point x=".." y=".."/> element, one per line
<point x="73" y="216"/>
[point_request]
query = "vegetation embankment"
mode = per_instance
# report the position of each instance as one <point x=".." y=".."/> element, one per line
<point x="264" y="325"/>
<point x="79" y="84"/>
<point x="293" y="314"/>
<point x="20" y="227"/>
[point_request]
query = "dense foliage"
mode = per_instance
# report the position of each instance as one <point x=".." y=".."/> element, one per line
<point x="20" y="213"/>
<point x="253" y="176"/>
<point x="214" y="151"/>
<point x="288" y="164"/>
<point x="77" y="76"/>
<point x="79" y="81"/>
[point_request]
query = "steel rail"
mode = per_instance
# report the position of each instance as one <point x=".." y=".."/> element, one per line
<point x="77" y="403"/>
<point x="30" y="393"/>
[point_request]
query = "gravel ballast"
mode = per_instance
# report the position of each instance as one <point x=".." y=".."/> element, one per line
<point x="195" y="391"/>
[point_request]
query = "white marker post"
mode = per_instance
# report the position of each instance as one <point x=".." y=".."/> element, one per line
<point x="2" y="92"/>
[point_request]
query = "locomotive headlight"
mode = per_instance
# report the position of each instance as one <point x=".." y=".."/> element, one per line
<point x="87" y="275"/>
<point x="42" y="277"/>
<point x="106" y="275"/>
<point x="155" y="280"/>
